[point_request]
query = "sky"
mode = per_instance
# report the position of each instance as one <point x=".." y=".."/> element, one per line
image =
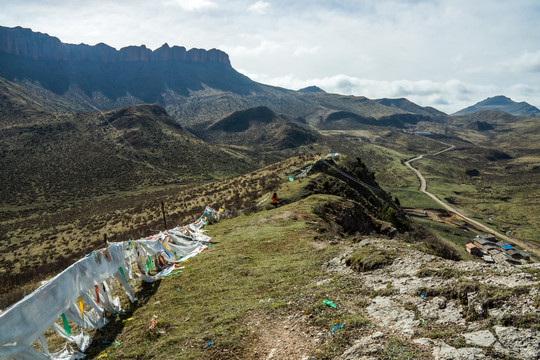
<point x="448" y="54"/>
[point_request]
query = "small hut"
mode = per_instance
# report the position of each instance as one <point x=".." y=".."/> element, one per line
<point x="473" y="249"/>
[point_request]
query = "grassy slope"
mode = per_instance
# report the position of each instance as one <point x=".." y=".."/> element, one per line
<point x="265" y="275"/>
<point x="262" y="263"/>
<point x="257" y="292"/>
<point x="41" y="241"/>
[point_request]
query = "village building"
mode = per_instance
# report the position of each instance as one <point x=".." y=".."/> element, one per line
<point x="479" y="242"/>
<point x="500" y="257"/>
<point x="487" y="237"/>
<point x="514" y="254"/>
<point x="473" y="249"/>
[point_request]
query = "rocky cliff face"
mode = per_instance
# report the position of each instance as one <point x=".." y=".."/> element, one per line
<point x="37" y="46"/>
<point x="102" y="72"/>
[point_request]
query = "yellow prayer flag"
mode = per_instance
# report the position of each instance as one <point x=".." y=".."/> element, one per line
<point x="81" y="306"/>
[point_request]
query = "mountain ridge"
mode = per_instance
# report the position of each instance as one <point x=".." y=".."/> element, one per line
<point x="35" y="45"/>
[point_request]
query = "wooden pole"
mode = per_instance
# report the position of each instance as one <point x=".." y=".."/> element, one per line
<point x="163" y="211"/>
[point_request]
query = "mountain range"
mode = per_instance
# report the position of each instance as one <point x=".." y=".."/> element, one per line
<point x="194" y="85"/>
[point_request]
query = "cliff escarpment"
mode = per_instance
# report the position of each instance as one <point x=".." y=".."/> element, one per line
<point x="134" y="71"/>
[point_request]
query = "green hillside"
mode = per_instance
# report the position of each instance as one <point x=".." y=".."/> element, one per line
<point x="267" y="274"/>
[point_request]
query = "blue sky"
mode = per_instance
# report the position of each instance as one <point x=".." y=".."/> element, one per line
<point x="443" y="53"/>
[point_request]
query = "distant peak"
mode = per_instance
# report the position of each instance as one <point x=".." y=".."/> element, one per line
<point x="312" y="89"/>
<point x="497" y="100"/>
<point x="502" y="103"/>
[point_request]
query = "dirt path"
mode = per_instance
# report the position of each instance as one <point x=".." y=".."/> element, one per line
<point x="423" y="188"/>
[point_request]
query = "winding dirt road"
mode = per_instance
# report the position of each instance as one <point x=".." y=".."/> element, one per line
<point x="532" y="248"/>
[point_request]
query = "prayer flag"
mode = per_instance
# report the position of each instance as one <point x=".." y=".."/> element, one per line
<point x="66" y="325"/>
<point x="81" y="307"/>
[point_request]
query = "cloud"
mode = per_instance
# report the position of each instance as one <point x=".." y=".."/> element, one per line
<point x="259" y="7"/>
<point x="449" y="96"/>
<point x="264" y="47"/>
<point x="192" y="5"/>
<point x="304" y="50"/>
<point x="528" y="62"/>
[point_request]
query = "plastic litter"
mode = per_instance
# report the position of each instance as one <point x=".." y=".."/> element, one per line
<point x="209" y="344"/>
<point x="422" y="321"/>
<point x="126" y="320"/>
<point x="153" y="322"/>
<point x="337" y="327"/>
<point x="291" y="179"/>
<point x="422" y="295"/>
<point x="329" y="303"/>
<point x="102" y="356"/>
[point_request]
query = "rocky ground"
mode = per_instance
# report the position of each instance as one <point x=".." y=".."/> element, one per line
<point x="451" y="310"/>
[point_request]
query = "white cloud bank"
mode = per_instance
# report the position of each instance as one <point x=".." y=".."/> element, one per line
<point x="448" y="96"/>
<point x="191" y="5"/>
<point x="260" y="7"/>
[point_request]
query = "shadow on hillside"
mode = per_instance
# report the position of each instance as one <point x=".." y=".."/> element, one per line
<point x="106" y="337"/>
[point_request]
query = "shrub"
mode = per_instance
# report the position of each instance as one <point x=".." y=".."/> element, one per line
<point x="370" y="258"/>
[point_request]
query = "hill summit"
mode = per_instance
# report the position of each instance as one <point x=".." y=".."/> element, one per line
<point x="257" y="127"/>
<point x="502" y="103"/>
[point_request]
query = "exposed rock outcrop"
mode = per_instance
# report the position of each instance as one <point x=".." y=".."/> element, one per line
<point x="454" y="310"/>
